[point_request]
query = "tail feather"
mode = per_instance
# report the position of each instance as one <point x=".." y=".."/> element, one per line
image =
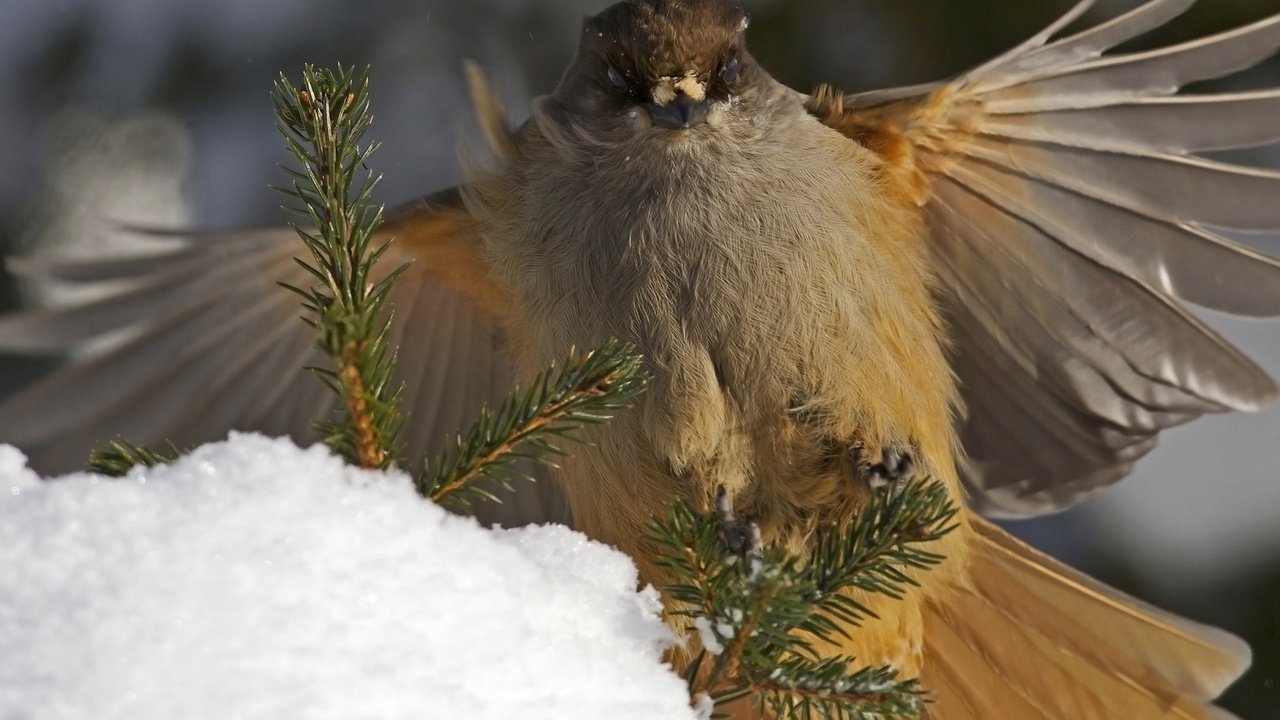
<point x="1031" y="638"/>
<point x="958" y="672"/>
<point x="1144" y="640"/>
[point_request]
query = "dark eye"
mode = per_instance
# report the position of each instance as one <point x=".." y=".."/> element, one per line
<point x="731" y="70"/>
<point x="615" y="77"/>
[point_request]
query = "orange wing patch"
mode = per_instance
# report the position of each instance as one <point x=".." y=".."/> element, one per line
<point x="917" y="138"/>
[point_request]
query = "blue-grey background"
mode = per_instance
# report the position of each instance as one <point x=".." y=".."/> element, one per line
<point x="158" y="110"/>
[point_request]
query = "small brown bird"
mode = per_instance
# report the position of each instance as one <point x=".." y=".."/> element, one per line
<point x="979" y="278"/>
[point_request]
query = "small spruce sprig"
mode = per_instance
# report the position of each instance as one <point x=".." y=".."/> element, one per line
<point x="323" y="123"/>
<point x="587" y="389"/>
<point x="756" y="610"/>
<point x="117" y="457"/>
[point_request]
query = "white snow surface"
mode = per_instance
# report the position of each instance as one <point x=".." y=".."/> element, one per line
<point x="254" y="579"/>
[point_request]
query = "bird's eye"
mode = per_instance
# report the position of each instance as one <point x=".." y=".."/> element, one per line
<point x="729" y="73"/>
<point x="615" y="77"/>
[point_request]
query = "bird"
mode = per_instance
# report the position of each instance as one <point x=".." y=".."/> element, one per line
<point x="985" y="279"/>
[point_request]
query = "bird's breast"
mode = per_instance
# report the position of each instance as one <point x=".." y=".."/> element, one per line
<point x="781" y="303"/>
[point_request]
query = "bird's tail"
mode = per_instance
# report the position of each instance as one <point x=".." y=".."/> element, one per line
<point x="1027" y="637"/>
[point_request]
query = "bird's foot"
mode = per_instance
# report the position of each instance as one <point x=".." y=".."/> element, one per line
<point x="895" y="467"/>
<point x="738" y="536"/>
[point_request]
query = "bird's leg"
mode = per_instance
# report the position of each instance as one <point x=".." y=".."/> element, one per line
<point x="739" y="537"/>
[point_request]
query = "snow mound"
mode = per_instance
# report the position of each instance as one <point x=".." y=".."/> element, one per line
<point x="254" y="579"/>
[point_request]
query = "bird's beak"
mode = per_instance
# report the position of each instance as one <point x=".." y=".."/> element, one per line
<point x="681" y="113"/>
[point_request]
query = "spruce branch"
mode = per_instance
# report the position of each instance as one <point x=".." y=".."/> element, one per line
<point x="587" y="389"/>
<point x="754" y="610"/>
<point x="117" y="457"/>
<point x="323" y="124"/>
<point x="800" y="689"/>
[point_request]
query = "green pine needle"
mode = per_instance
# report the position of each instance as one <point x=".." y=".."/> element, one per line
<point x="117" y="457"/>
<point x="827" y="689"/>
<point x="587" y="390"/>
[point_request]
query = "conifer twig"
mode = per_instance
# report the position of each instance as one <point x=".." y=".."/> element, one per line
<point x="323" y="124"/>
<point x="587" y="389"/>
<point x="753" y="614"/>
<point x="117" y="457"/>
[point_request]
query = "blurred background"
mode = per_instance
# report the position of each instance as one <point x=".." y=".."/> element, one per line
<point x="158" y="111"/>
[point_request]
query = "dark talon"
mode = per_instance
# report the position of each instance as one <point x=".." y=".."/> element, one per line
<point x="895" y="467"/>
<point x="738" y="537"/>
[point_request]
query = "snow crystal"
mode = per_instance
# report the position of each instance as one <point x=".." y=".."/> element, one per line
<point x="705" y="706"/>
<point x="253" y="579"/>
<point x="707" y="636"/>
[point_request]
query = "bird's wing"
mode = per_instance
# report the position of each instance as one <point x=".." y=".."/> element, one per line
<point x="199" y="339"/>
<point x="1071" y="220"/>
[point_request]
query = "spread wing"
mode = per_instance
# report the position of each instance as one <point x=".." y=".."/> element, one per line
<point x="200" y="339"/>
<point x="1071" y="220"/>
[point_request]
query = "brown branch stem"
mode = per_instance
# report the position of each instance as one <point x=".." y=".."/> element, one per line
<point x="369" y="451"/>
<point x="543" y="419"/>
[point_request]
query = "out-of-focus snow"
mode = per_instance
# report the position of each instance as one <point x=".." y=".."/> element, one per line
<point x="253" y="579"/>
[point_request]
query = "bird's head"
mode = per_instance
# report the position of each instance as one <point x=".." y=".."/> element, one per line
<point x="677" y="66"/>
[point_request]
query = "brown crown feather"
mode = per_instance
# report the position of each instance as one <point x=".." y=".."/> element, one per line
<point x="657" y="38"/>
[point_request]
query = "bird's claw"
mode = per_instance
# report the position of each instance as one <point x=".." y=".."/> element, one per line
<point x="895" y="467"/>
<point x="740" y="537"/>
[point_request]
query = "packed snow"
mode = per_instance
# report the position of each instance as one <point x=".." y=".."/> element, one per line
<point x="254" y="579"/>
